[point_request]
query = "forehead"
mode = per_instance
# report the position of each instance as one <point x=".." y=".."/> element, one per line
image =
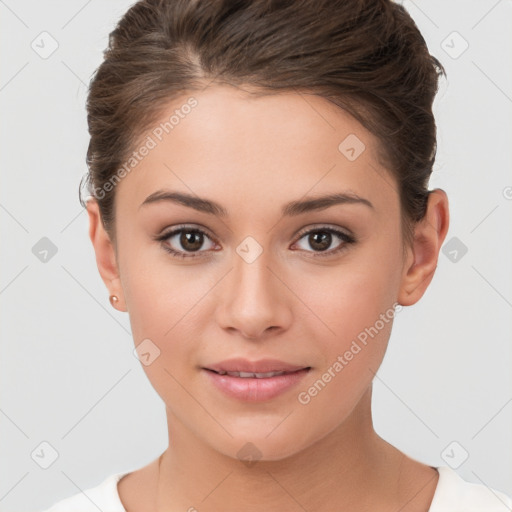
<point x="247" y="151"/>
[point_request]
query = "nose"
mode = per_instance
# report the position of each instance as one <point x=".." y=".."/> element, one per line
<point x="253" y="300"/>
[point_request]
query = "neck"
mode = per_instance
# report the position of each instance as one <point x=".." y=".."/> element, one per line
<point x="350" y="465"/>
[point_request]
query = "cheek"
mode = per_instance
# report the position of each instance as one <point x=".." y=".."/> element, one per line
<point x="167" y="306"/>
<point x="347" y="298"/>
<point x="351" y="318"/>
<point x="165" y="317"/>
<point x="158" y="292"/>
<point x="352" y="347"/>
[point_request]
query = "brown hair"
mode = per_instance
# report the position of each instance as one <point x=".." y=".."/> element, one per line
<point x="366" y="56"/>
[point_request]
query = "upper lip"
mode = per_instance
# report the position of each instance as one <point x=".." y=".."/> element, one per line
<point x="261" y="366"/>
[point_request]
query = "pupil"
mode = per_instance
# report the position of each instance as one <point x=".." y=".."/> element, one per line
<point x="188" y="238"/>
<point x="323" y="238"/>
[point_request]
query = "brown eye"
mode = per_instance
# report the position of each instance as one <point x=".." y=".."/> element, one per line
<point x="191" y="240"/>
<point x="321" y="239"/>
<point x="181" y="241"/>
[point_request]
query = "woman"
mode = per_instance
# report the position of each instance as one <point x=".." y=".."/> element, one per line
<point x="260" y="207"/>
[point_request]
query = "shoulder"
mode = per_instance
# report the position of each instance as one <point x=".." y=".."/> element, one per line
<point x="103" y="496"/>
<point x="453" y="494"/>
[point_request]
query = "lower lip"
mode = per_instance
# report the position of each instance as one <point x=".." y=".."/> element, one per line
<point x="253" y="389"/>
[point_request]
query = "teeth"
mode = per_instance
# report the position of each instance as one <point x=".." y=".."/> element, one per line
<point x="246" y="375"/>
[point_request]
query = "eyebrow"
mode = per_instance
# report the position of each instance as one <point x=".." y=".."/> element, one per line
<point x="290" y="209"/>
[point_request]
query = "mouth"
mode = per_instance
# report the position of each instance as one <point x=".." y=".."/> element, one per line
<point x="255" y="386"/>
<point x="256" y="375"/>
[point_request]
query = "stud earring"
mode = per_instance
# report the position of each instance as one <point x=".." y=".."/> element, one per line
<point x="113" y="300"/>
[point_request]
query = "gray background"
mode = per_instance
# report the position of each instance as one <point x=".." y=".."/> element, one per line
<point x="68" y="373"/>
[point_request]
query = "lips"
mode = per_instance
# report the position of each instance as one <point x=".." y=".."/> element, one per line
<point x="264" y="368"/>
<point x="248" y="375"/>
<point x="255" y="386"/>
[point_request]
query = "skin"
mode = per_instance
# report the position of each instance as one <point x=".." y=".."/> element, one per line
<point x="253" y="155"/>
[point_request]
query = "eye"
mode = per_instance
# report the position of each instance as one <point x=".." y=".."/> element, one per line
<point x="188" y="240"/>
<point x="320" y="240"/>
<point x="184" y="239"/>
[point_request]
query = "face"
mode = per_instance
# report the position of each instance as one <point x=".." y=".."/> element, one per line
<point x="312" y="286"/>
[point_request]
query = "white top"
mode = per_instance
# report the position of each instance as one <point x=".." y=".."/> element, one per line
<point x="453" y="494"/>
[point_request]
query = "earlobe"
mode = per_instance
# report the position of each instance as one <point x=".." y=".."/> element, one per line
<point x="105" y="255"/>
<point x="429" y="235"/>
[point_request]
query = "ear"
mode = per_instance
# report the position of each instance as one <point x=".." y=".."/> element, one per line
<point x="421" y="261"/>
<point x="105" y="254"/>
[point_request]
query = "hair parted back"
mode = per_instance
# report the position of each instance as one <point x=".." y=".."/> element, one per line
<point x="366" y="56"/>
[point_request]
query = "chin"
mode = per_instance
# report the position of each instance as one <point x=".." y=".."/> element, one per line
<point x="253" y="445"/>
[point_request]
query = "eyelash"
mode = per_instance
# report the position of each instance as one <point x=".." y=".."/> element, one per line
<point x="347" y="239"/>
